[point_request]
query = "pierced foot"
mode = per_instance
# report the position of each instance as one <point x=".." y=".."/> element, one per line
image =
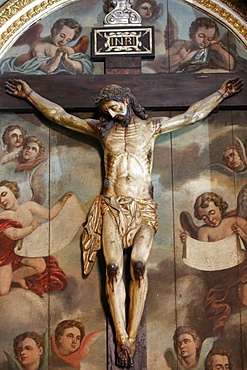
<point x="125" y="356"/>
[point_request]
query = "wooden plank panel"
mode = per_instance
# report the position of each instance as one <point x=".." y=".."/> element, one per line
<point x="161" y="313"/>
<point x="120" y="65"/>
<point x="197" y="168"/>
<point x="171" y="90"/>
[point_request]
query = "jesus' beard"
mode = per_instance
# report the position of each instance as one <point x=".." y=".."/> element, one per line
<point x="123" y="120"/>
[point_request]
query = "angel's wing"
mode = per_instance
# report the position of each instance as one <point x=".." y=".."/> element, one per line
<point x="37" y="183"/>
<point x="239" y="145"/>
<point x="157" y="12"/>
<point x="171" y="359"/>
<point x="81" y="45"/>
<point x="207" y="345"/>
<point x="188" y="224"/>
<point x="87" y="341"/>
<point x="13" y="363"/>
<point x="31" y="35"/>
<point x="242" y="203"/>
<point x="171" y="31"/>
<point x="221" y="168"/>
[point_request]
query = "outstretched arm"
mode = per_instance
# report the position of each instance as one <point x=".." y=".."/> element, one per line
<point x="202" y="108"/>
<point x="52" y="111"/>
<point x="46" y="213"/>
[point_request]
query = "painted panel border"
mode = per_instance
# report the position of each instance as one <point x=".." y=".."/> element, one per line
<point x="18" y="15"/>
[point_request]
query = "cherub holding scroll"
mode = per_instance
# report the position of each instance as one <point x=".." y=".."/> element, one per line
<point x="16" y="222"/>
<point x="219" y="225"/>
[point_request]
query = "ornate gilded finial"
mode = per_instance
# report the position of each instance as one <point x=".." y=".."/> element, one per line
<point x="122" y="14"/>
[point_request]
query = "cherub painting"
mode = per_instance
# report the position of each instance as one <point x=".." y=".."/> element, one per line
<point x="13" y="138"/>
<point x="235" y="156"/>
<point x="70" y="344"/>
<point x="228" y="275"/>
<point x="30" y="352"/>
<point x="220" y="357"/>
<point x="33" y="162"/>
<point x="31" y="271"/>
<point x="65" y="349"/>
<point x="52" y="54"/>
<point x="231" y="159"/>
<point x="204" y="51"/>
<point x="189" y="350"/>
<point x="149" y="10"/>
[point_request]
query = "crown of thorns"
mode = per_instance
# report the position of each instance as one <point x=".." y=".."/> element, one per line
<point x="112" y="92"/>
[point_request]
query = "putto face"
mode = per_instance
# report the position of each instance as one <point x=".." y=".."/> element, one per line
<point x="15" y="139"/>
<point x="7" y="198"/>
<point x="145" y="10"/>
<point x="63" y="36"/>
<point x="220" y="362"/>
<point x="29" y="353"/>
<point x="70" y="341"/>
<point x="233" y="160"/>
<point x="211" y="215"/>
<point x="204" y="37"/>
<point x="186" y="346"/>
<point x="30" y="152"/>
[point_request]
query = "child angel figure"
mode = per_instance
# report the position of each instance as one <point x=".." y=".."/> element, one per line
<point x="220" y="224"/>
<point x="39" y="274"/>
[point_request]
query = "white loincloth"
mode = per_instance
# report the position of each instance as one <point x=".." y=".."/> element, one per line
<point x="213" y="256"/>
<point x="54" y="235"/>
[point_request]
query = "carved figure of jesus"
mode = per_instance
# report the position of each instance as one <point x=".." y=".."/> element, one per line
<point x="125" y="213"/>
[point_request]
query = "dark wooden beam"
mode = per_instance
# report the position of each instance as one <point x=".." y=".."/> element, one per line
<point x="155" y="91"/>
<point x="119" y="65"/>
<point x="140" y="357"/>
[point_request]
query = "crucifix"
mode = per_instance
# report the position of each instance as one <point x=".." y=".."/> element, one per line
<point x="124" y="215"/>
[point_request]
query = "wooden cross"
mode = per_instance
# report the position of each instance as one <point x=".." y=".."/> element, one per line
<point x="165" y="92"/>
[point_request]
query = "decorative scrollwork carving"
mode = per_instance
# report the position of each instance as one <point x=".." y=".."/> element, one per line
<point x="13" y="7"/>
<point x="238" y="6"/>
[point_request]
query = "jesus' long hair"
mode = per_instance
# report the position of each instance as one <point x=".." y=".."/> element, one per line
<point x="119" y="93"/>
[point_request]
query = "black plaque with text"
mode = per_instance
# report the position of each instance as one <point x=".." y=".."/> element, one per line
<point x="133" y="41"/>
